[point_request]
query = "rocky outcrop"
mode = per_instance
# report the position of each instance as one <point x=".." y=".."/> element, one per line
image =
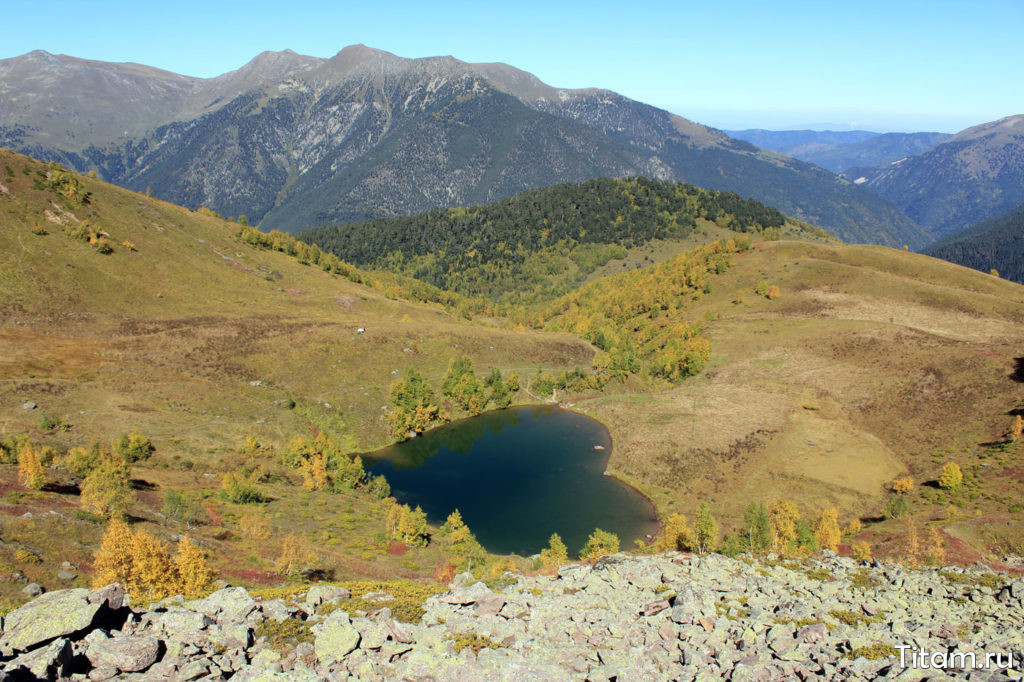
<point x="670" y="616"/>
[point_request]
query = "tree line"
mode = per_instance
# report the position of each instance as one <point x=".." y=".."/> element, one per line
<point x="513" y="250"/>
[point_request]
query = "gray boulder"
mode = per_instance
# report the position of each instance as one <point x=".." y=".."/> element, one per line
<point x="127" y="654"/>
<point x="318" y="594"/>
<point x="50" y="662"/>
<point x="112" y="595"/>
<point x="693" y="603"/>
<point x="336" y="638"/>
<point x="32" y="590"/>
<point x="277" y="610"/>
<point x="232" y="604"/>
<point x="52" y="615"/>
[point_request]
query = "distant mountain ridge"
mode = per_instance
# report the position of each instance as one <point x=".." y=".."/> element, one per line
<point x="839" y="151"/>
<point x="295" y="142"/>
<point x="975" y="175"/>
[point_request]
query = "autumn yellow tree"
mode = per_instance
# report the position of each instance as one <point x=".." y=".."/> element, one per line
<point x="254" y="526"/>
<point x="1018" y="428"/>
<point x="408" y="525"/>
<point x="951" y="477"/>
<point x="861" y="551"/>
<point x="314" y="473"/>
<point x="293" y="556"/>
<point x="936" y="553"/>
<point x="784" y="515"/>
<point x="464" y="544"/>
<point x="555" y="553"/>
<point x="107" y="490"/>
<point x="30" y="469"/>
<point x="112" y="562"/>
<point x="826" y="530"/>
<point x="902" y="486"/>
<point x="599" y="544"/>
<point x="142" y="564"/>
<point x="705" y="529"/>
<point x="675" y="535"/>
<point x="154" y="575"/>
<point x="414" y="405"/>
<point x="911" y="555"/>
<point x="194" y="571"/>
<point x="854" y="527"/>
<point x="412" y="526"/>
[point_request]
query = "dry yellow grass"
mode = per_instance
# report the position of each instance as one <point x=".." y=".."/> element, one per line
<point x="872" y="362"/>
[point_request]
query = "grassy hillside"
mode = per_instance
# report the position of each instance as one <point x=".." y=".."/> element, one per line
<point x="119" y="312"/>
<point x="199" y="340"/>
<point x="871" y="364"/>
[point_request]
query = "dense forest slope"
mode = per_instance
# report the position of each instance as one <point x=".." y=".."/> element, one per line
<point x="997" y="244"/>
<point x="545" y="242"/>
<point x="295" y="142"/>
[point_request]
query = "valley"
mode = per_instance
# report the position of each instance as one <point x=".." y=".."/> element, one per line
<point x="799" y="367"/>
<point x="389" y="367"/>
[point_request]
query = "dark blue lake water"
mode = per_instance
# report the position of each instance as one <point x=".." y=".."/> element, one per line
<point x="517" y="476"/>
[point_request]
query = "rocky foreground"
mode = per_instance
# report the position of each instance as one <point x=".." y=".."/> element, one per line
<point x="670" y="616"/>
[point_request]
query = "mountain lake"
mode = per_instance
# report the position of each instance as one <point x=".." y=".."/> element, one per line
<point x="517" y="476"/>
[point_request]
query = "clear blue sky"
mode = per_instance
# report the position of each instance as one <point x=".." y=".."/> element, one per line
<point x="893" y="65"/>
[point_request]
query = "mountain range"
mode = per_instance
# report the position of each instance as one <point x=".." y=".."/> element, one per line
<point x="295" y="142"/>
<point x="838" y="151"/>
<point x="975" y="175"/>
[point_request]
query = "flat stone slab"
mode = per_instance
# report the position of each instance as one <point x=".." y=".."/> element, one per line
<point x="49" y="616"/>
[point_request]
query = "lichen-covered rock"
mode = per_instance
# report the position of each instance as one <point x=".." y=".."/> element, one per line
<point x="318" y="594"/>
<point x="50" y="662"/>
<point x="232" y="604"/>
<point x="127" y="654"/>
<point x="112" y="595"/>
<point x="633" y="617"/>
<point x="179" y="623"/>
<point x="277" y="610"/>
<point x="52" y="615"/>
<point x="336" y="638"/>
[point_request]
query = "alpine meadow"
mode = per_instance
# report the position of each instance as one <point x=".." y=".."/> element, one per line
<point x="367" y="367"/>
